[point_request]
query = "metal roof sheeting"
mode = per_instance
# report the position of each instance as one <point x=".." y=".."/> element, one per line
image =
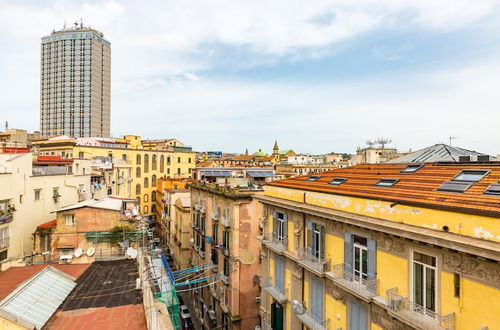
<point x="261" y="174"/>
<point x="39" y="297"/>
<point x="216" y="173"/>
<point x="435" y="153"/>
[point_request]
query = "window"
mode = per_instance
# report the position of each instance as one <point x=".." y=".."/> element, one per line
<point x="162" y="164"/>
<point x="146" y="163"/>
<point x="280" y="227"/>
<point x="137" y="172"/>
<point x="138" y="160"/>
<point x="178" y="159"/>
<point x="226" y="267"/>
<point x="37" y="194"/>
<point x="337" y="181"/>
<point x="137" y="189"/>
<point x="153" y="163"/>
<point x="316" y="240"/>
<point x="386" y="182"/>
<point x="359" y="257"/>
<point x="146" y="183"/>
<point x="313" y="178"/>
<point x="316" y="296"/>
<point x="153" y="208"/>
<point x="493" y="189"/>
<point x="69" y="219"/>
<point x="153" y="196"/>
<point x="146" y="209"/>
<point x="178" y="171"/>
<point x="4" y="238"/>
<point x="470" y="175"/>
<point x="146" y="198"/>
<point x="279" y="272"/>
<point x="454" y="187"/>
<point x="124" y="157"/>
<point x="153" y="181"/>
<point x="215" y="233"/>
<point x="412" y="168"/>
<point x="80" y="155"/>
<point x="189" y="160"/>
<point x="225" y="239"/>
<point x="424" y="282"/>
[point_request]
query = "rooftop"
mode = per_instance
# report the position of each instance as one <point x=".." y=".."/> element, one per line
<point x="107" y="203"/>
<point x="435" y="153"/>
<point x="419" y="187"/>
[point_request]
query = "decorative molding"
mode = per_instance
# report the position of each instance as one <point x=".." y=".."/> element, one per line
<point x="335" y="227"/>
<point x="390" y="244"/>
<point x="480" y="270"/>
<point x="335" y="292"/>
<point x="297" y="231"/>
<point x="379" y="316"/>
<point x="297" y="271"/>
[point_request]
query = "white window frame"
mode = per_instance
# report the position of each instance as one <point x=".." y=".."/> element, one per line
<point x="280" y="221"/>
<point x="362" y="248"/>
<point x="436" y="280"/>
<point x="66" y="217"/>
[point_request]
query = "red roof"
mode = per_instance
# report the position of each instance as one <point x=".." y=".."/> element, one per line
<point x="49" y="159"/>
<point x="15" y="150"/>
<point x="12" y="277"/>
<point x="48" y="224"/>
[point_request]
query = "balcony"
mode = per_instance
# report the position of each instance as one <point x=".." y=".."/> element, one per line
<point x="280" y="295"/>
<point x="51" y="170"/>
<point x="4" y="242"/>
<point x="202" y="254"/>
<point x="307" y="318"/>
<point x="272" y="241"/>
<point x="416" y="315"/>
<point x="365" y="289"/>
<point x="6" y="217"/>
<point x="313" y="263"/>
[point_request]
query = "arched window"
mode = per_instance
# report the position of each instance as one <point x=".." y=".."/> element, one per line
<point x="146" y="183"/>
<point x="153" y="163"/>
<point x="153" y="196"/>
<point x="168" y="160"/>
<point x="153" y="181"/>
<point x="137" y="172"/>
<point x="153" y="208"/>
<point x="162" y="164"/>
<point x="138" y="159"/>
<point x="146" y="198"/>
<point x="146" y="163"/>
<point x="145" y="209"/>
<point x="138" y="198"/>
<point x="137" y="189"/>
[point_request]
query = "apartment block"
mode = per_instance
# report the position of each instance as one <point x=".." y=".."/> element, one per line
<point x="225" y="224"/>
<point x="75" y="83"/>
<point x="389" y="246"/>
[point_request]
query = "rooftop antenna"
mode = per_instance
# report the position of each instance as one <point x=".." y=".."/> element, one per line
<point x="370" y="143"/>
<point x="383" y="142"/>
<point x="453" y="138"/>
<point x="6" y="125"/>
<point x="64" y="25"/>
<point x="81" y="23"/>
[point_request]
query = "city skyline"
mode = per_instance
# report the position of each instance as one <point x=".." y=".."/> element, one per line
<point x="319" y="79"/>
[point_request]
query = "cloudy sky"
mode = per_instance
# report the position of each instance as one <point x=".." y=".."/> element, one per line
<point x="319" y="76"/>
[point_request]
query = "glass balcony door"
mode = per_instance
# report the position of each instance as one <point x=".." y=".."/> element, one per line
<point x="360" y="258"/>
<point x="424" y="282"/>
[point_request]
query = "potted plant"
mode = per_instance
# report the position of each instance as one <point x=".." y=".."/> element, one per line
<point x="11" y="208"/>
<point x="56" y="197"/>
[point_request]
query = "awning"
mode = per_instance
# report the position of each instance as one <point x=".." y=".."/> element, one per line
<point x="215" y="173"/>
<point x="49" y="224"/>
<point x="261" y="174"/>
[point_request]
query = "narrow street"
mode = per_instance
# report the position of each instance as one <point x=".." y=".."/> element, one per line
<point x="188" y="301"/>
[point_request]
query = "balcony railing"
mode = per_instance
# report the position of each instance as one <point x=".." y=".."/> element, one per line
<point x="307" y="318"/>
<point x="312" y="262"/>
<point x="363" y="287"/>
<point x="51" y="170"/>
<point x="280" y="295"/>
<point x="418" y="315"/>
<point x="6" y="217"/>
<point x="278" y="244"/>
<point x="4" y="242"/>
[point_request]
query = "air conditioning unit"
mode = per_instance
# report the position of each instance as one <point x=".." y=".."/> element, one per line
<point x="257" y="299"/>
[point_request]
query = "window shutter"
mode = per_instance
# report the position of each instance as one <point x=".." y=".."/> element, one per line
<point x="372" y="261"/>
<point x="285" y="229"/>
<point x="275" y="223"/>
<point x="348" y="252"/>
<point x="309" y="237"/>
<point x="322" y="243"/>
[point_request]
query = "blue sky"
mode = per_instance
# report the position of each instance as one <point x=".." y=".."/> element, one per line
<point x="318" y="76"/>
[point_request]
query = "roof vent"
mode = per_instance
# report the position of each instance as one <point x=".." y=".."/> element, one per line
<point x="454" y="187"/>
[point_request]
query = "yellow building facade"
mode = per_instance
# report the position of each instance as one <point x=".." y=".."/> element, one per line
<point x="355" y="255"/>
<point x="147" y="165"/>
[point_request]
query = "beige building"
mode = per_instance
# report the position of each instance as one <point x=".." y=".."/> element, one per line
<point x="181" y="233"/>
<point x="225" y="225"/>
<point x="30" y="194"/>
<point x="371" y="155"/>
<point x="75" y="83"/>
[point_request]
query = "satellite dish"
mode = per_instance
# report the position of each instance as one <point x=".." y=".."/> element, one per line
<point x="78" y="252"/>
<point x="132" y="253"/>
<point x="90" y="251"/>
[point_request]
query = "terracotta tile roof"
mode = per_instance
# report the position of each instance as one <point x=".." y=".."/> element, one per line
<point x="48" y="224"/>
<point x="419" y="188"/>
<point x="12" y="277"/>
<point x="243" y="158"/>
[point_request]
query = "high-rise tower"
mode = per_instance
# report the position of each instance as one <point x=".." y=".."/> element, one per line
<point x="75" y="83"/>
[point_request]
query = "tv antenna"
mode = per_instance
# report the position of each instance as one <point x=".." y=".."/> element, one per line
<point x="383" y="142"/>
<point x="370" y="143"/>
<point x="453" y="138"/>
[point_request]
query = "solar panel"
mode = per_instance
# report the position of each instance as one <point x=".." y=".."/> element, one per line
<point x="455" y="187"/>
<point x="260" y="174"/>
<point x="493" y="189"/>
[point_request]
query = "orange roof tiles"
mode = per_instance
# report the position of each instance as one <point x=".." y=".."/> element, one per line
<point x="48" y="224"/>
<point x="412" y="188"/>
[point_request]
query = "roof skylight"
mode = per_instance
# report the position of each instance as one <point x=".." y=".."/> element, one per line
<point x="313" y="178"/>
<point x="412" y="168"/>
<point x="386" y="182"/>
<point x="454" y="186"/>
<point x="470" y="175"/>
<point x="337" y="181"/>
<point x="493" y="189"/>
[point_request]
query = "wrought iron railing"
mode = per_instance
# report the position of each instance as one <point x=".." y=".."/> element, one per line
<point x="4" y="242"/>
<point x="310" y="261"/>
<point x="275" y="242"/>
<point x="279" y="294"/>
<point x="366" y="288"/>
<point x="418" y="314"/>
<point x="308" y="318"/>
